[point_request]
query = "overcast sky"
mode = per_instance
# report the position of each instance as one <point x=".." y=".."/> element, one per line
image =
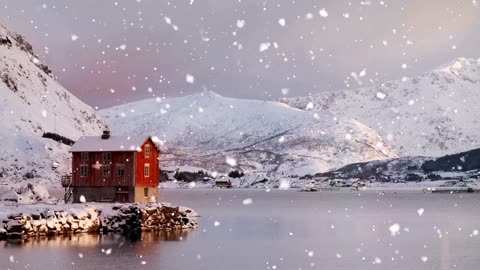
<point x="114" y="51"/>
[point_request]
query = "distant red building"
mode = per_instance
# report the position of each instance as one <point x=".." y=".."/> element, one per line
<point x="115" y="168"/>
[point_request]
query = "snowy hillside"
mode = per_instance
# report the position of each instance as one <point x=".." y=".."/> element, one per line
<point x="432" y="114"/>
<point x="31" y="104"/>
<point x="218" y="133"/>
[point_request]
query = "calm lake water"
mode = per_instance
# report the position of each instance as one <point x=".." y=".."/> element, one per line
<point x="282" y="230"/>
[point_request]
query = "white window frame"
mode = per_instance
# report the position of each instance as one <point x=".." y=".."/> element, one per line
<point x="148" y="150"/>
<point x="146" y="170"/>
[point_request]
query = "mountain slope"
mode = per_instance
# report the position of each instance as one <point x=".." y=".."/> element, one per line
<point x="31" y="104"/>
<point x="218" y="133"/>
<point x="457" y="170"/>
<point x="432" y="114"/>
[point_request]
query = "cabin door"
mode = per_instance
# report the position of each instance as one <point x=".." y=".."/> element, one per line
<point x="121" y="195"/>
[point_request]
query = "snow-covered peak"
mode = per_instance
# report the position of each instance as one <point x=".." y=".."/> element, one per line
<point x="432" y="114"/>
<point x="205" y="129"/>
<point x="461" y="64"/>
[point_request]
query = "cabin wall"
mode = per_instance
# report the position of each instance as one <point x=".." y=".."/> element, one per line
<point x="95" y="177"/>
<point x="151" y="192"/>
<point x="94" y="194"/>
<point x="104" y="194"/>
<point x="153" y="160"/>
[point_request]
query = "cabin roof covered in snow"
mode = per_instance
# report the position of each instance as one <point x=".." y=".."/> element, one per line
<point x="112" y="144"/>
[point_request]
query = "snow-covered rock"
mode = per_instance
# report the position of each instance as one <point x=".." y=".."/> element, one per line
<point x="217" y="133"/>
<point x="33" y="103"/>
<point x="130" y="219"/>
<point x="432" y="114"/>
<point x="28" y="193"/>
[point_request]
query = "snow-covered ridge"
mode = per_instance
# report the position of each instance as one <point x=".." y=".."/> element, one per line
<point x="32" y="103"/>
<point x="217" y="133"/>
<point x="432" y="114"/>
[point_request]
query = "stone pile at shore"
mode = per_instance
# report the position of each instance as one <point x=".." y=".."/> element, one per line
<point x="130" y="219"/>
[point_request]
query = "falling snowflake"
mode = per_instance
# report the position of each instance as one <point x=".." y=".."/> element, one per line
<point x="231" y="161"/>
<point x="281" y="22"/>
<point x="309" y="106"/>
<point x="240" y="23"/>
<point x="74" y="37"/>
<point x="381" y="95"/>
<point x="264" y="46"/>
<point x="247" y="201"/>
<point x="83" y="199"/>
<point x="394" y="229"/>
<point x="323" y="13"/>
<point x="284" y="184"/>
<point x="189" y="78"/>
<point x="420" y="211"/>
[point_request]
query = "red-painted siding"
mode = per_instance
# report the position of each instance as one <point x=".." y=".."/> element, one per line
<point x="153" y="160"/>
<point x="95" y="177"/>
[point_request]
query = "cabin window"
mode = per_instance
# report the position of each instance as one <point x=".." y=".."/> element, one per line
<point x="106" y="170"/>
<point x="84" y="156"/>
<point x="146" y="170"/>
<point x="147" y="151"/>
<point x="83" y="170"/>
<point x="145" y="192"/>
<point x="120" y="170"/>
<point x="107" y="156"/>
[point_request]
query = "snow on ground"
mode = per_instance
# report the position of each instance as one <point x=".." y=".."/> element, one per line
<point x="28" y="193"/>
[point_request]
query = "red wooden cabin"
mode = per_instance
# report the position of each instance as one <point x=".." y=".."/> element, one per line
<point x="115" y="168"/>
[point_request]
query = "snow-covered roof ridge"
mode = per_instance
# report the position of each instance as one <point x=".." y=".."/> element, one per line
<point x="113" y="144"/>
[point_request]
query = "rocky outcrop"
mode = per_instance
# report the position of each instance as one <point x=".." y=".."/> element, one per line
<point x="128" y="219"/>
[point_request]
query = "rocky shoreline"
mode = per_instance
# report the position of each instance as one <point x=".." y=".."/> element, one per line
<point x="21" y="222"/>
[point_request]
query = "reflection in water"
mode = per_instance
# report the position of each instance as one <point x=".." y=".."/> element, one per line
<point x="288" y="230"/>
<point x="95" y="240"/>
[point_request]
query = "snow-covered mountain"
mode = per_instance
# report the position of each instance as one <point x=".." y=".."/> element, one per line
<point x="217" y="133"/>
<point x="33" y="103"/>
<point x="433" y="114"/>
